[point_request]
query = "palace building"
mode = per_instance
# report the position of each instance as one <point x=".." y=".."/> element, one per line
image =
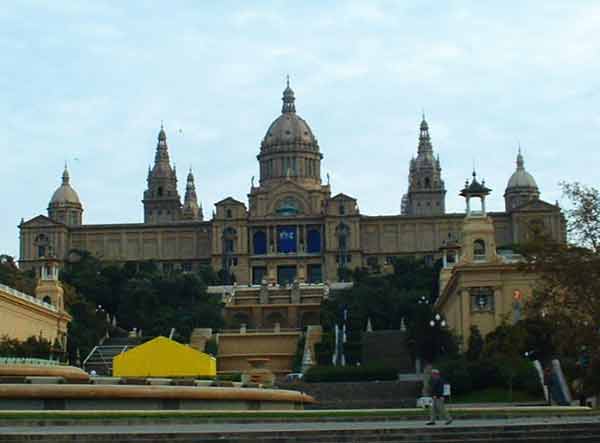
<point x="292" y="227"/>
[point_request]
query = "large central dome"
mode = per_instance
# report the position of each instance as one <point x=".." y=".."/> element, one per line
<point x="289" y="128"/>
<point x="289" y="150"/>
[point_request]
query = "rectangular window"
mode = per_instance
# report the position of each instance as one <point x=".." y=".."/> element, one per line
<point x="482" y="299"/>
<point x="186" y="267"/>
<point x="286" y="274"/>
<point x="167" y="268"/>
<point x="259" y="273"/>
<point x="315" y="274"/>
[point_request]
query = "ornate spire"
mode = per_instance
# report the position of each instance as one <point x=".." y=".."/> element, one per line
<point x="520" y="162"/>
<point x="288" y="99"/>
<point x="162" y="149"/>
<point x="190" y="203"/>
<point x="424" y="138"/>
<point x="162" y="136"/>
<point x="65" y="175"/>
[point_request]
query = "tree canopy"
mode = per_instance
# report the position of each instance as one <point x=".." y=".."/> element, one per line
<point x="568" y="289"/>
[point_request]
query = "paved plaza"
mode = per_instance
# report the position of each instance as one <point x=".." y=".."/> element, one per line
<point x="232" y="427"/>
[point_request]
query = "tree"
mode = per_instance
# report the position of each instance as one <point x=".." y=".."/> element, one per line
<point x="568" y="287"/>
<point x="475" y="345"/>
<point x="584" y="217"/>
<point x="386" y="300"/>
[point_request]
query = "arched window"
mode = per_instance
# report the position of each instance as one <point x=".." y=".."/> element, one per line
<point x="160" y="191"/>
<point x="275" y="317"/>
<point x="260" y="243"/>
<point x="479" y="249"/>
<point x="239" y="319"/>
<point x="288" y="206"/>
<point x="228" y="213"/>
<point x="427" y="182"/>
<point x="309" y="318"/>
<point x="47" y="300"/>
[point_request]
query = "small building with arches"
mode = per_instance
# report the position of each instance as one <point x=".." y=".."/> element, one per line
<point x="268" y="321"/>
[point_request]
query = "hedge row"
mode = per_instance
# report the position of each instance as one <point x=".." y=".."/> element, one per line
<point x="466" y="376"/>
<point x="350" y="373"/>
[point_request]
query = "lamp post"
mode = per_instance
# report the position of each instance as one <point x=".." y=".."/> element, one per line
<point x="437" y="323"/>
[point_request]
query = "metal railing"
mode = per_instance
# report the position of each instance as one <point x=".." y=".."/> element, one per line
<point x="96" y="356"/>
<point x="27" y="297"/>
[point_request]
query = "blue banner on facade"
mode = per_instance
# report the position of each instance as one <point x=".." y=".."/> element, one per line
<point x="286" y="239"/>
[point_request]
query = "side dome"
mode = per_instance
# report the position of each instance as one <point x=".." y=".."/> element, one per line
<point x="289" y="128"/>
<point x="65" y="194"/>
<point x="521" y="178"/>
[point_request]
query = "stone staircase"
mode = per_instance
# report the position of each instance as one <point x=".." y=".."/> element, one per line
<point x="557" y="432"/>
<point x="100" y="359"/>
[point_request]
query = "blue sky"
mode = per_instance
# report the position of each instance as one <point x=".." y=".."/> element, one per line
<point x="89" y="83"/>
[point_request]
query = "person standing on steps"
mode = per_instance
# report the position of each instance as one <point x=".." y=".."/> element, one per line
<point x="438" y="409"/>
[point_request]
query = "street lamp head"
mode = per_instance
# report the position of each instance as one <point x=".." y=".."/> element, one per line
<point x="432" y="323"/>
<point x="443" y="323"/>
<point x="437" y="317"/>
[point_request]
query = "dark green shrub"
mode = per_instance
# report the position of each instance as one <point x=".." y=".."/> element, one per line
<point x="211" y="346"/>
<point x="230" y="377"/>
<point x="456" y="372"/>
<point x="324" y="351"/>
<point x="527" y="378"/>
<point x="353" y="353"/>
<point x="484" y="373"/>
<point x="350" y="373"/>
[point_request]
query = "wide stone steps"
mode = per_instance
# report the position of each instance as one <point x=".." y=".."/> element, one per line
<point x="554" y="433"/>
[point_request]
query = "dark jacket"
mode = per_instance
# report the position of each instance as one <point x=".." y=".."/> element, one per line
<point x="437" y="387"/>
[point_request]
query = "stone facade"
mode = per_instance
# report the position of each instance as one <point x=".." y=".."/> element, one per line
<point x="292" y="228"/>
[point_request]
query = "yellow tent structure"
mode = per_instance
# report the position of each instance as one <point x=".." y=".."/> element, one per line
<point x="162" y="357"/>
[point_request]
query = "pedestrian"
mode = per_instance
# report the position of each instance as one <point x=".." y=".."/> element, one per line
<point x="438" y="409"/>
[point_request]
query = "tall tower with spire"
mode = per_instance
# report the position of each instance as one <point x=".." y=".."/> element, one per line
<point x="162" y="203"/>
<point x="191" y="210"/>
<point x="426" y="190"/>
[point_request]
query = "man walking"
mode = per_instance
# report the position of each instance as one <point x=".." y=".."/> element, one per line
<point x="438" y="409"/>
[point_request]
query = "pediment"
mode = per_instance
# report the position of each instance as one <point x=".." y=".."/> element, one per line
<point x="39" y="221"/>
<point x="230" y="201"/>
<point x="342" y="197"/>
<point x="536" y="206"/>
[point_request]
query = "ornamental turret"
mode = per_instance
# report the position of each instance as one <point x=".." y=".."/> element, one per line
<point x="65" y="206"/>
<point x="521" y="186"/>
<point x="289" y="150"/>
<point x="426" y="190"/>
<point x="191" y="210"/>
<point x="162" y="203"/>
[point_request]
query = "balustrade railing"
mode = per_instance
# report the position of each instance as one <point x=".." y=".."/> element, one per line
<point x="27" y="297"/>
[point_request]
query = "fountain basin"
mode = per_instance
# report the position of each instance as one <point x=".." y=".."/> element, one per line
<point x="146" y="397"/>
